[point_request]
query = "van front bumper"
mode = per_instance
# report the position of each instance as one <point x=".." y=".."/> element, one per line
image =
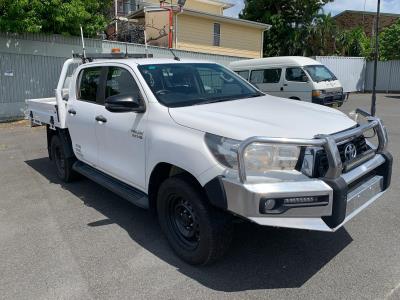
<point x="315" y="204"/>
<point x="330" y="100"/>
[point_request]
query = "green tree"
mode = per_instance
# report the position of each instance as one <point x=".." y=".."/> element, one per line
<point x="54" y="16"/>
<point x="390" y="42"/>
<point x="322" y="39"/>
<point x="354" y="42"/>
<point x="292" y="23"/>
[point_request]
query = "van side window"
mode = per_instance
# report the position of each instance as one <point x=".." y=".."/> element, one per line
<point x="257" y="76"/>
<point x="89" y="84"/>
<point x="296" y="74"/>
<point x="244" y="74"/>
<point x="120" y="82"/>
<point x="272" y="75"/>
<point x="266" y="76"/>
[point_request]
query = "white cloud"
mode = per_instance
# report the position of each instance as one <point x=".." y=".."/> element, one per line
<point x="388" y="6"/>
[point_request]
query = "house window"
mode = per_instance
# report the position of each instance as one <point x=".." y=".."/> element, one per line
<point x="217" y="34"/>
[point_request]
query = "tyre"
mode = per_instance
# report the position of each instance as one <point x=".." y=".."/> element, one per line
<point x="197" y="232"/>
<point x="62" y="163"/>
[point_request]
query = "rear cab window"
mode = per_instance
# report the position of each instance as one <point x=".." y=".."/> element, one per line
<point x="89" y="84"/>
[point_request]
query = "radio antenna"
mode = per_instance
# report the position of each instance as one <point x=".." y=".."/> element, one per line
<point x="83" y="44"/>
<point x="175" y="57"/>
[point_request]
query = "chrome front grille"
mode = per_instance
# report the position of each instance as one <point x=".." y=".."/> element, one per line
<point x="321" y="164"/>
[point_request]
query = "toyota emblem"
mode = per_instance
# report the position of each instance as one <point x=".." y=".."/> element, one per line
<point x="350" y="151"/>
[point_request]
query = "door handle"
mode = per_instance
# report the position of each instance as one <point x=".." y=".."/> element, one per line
<point x="282" y="88"/>
<point x="72" y="111"/>
<point x="285" y="84"/>
<point x="101" y="119"/>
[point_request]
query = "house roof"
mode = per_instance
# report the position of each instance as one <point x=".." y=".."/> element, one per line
<point x="361" y="12"/>
<point x="191" y="12"/>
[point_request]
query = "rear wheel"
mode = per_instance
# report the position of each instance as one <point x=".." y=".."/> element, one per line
<point x="62" y="163"/>
<point x="196" y="231"/>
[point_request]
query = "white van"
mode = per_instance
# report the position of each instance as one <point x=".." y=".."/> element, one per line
<point x="293" y="77"/>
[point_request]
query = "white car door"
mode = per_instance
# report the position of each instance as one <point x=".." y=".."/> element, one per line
<point x="81" y="109"/>
<point x="267" y="80"/>
<point x="121" y="138"/>
<point x="296" y="84"/>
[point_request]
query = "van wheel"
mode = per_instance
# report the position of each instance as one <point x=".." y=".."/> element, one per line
<point x="63" y="164"/>
<point x="197" y="232"/>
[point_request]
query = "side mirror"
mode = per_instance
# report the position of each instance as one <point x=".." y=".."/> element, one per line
<point x="65" y="94"/>
<point x="124" y="103"/>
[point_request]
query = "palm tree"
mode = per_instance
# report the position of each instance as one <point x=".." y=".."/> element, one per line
<point x="323" y="33"/>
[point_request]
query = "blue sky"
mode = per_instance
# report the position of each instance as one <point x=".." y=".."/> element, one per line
<point x="389" y="6"/>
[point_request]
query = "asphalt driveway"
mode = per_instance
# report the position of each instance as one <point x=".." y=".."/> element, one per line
<point x="80" y="241"/>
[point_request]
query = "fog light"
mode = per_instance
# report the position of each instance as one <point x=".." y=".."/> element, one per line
<point x="269" y="204"/>
<point x="299" y="200"/>
<point x="280" y="205"/>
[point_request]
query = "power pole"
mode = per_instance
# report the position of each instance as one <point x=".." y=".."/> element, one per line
<point x="116" y="17"/>
<point x="373" y="103"/>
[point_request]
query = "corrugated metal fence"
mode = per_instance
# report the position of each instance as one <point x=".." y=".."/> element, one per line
<point x="388" y="79"/>
<point x="26" y="76"/>
<point x="356" y="74"/>
<point x="349" y="70"/>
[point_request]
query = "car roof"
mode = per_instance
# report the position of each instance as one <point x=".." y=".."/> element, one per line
<point x="274" y="61"/>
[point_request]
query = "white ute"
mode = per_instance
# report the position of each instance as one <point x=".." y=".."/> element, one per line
<point x="200" y="146"/>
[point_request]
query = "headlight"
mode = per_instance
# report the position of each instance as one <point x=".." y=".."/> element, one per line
<point x="259" y="158"/>
<point x="318" y="93"/>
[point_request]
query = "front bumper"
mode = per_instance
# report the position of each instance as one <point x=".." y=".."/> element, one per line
<point x="322" y="204"/>
<point x="348" y="195"/>
<point x="329" y="100"/>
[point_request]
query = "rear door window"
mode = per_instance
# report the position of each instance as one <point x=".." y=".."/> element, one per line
<point x="257" y="76"/>
<point x="266" y="76"/>
<point x="244" y="74"/>
<point x="89" y="84"/>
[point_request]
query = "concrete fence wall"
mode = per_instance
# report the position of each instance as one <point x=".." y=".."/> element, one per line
<point x="30" y="64"/>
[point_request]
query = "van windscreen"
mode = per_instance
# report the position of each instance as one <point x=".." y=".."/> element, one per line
<point x="320" y="73"/>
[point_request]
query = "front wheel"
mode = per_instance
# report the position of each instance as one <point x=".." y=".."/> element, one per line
<point x="196" y="231"/>
<point x="62" y="163"/>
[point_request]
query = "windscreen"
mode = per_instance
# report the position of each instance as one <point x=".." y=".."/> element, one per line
<point x="185" y="84"/>
<point x="320" y="73"/>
